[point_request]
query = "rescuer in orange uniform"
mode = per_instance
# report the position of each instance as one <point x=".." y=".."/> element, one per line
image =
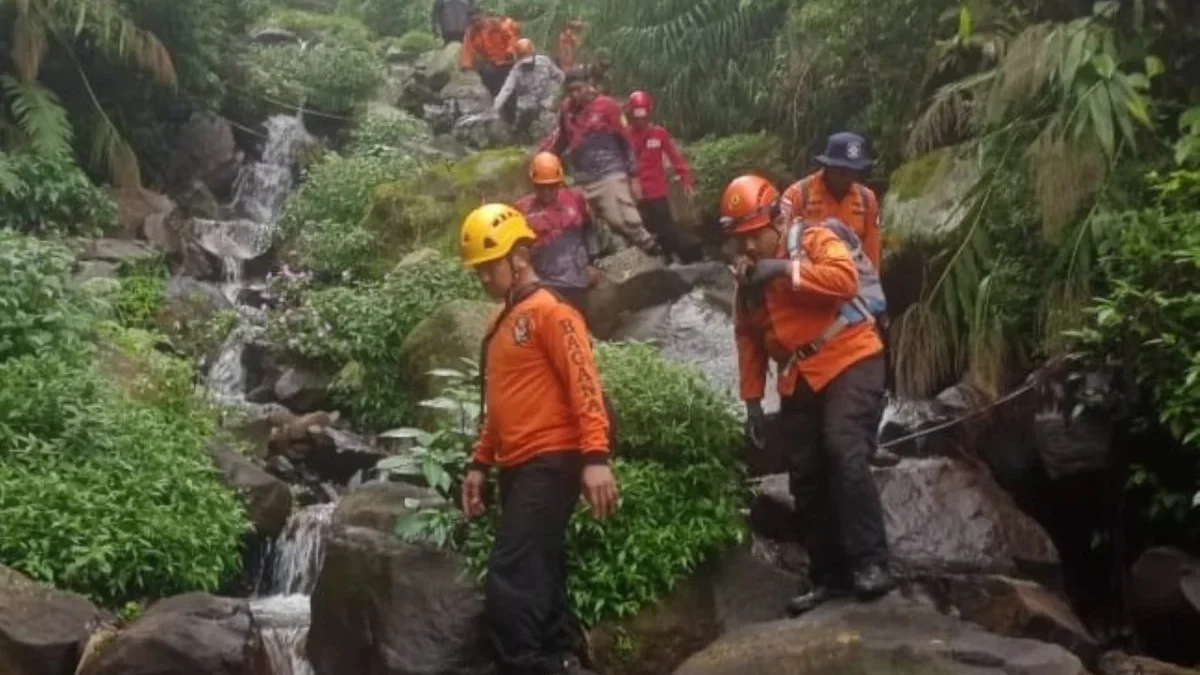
<point x="488" y="47"/>
<point x="546" y="429"/>
<point x="830" y="379"/>
<point x="835" y="192"/>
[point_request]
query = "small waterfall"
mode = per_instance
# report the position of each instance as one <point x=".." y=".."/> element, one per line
<point x="296" y="556"/>
<point x="259" y="192"/>
<point x="282" y="622"/>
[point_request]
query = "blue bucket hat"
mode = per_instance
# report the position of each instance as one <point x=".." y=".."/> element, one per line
<point x="846" y="150"/>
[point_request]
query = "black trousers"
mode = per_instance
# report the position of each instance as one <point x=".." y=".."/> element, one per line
<point x="656" y="215"/>
<point x="494" y="76"/>
<point x="451" y="36"/>
<point x="528" y="615"/>
<point x="832" y="435"/>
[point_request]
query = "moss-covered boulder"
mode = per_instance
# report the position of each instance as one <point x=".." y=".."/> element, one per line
<point x="443" y="340"/>
<point x="925" y="195"/>
<point x="427" y="209"/>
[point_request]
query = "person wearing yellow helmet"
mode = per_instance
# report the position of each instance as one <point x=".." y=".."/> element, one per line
<point x="546" y="428"/>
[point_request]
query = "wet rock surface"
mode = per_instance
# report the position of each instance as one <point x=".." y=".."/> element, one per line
<point x="42" y="630"/>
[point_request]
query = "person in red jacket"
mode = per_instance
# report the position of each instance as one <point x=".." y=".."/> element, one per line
<point x="651" y="141"/>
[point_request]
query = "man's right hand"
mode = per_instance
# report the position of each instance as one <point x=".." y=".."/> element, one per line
<point x="472" y="493"/>
<point x="756" y="424"/>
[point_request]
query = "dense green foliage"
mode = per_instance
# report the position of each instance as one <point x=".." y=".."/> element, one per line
<point x="716" y="160"/>
<point x="331" y="78"/>
<point x="142" y="294"/>
<point x="358" y="331"/>
<point x="50" y="194"/>
<point x="680" y="486"/>
<point x="105" y="487"/>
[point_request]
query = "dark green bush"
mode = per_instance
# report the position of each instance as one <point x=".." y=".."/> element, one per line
<point x="338" y="188"/>
<point x="40" y="308"/>
<point x="345" y="29"/>
<point x="416" y="42"/>
<point x="49" y="194"/>
<point x="716" y="161"/>
<point x="382" y="127"/>
<point x="105" y="494"/>
<point x="359" y="330"/>
<point x="668" y="412"/>
<point x="330" y="78"/>
<point x="142" y="294"/>
<point x="677" y="510"/>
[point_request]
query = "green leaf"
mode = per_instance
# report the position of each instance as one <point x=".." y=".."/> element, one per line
<point x="1154" y="66"/>
<point x="1105" y="65"/>
<point x="966" y="23"/>
<point x="1100" y="107"/>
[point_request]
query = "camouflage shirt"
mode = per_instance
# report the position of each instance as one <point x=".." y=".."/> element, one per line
<point x="534" y="80"/>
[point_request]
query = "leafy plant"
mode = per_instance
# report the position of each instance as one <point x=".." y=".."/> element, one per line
<point x="382" y="128"/>
<point x="337" y="190"/>
<point x="360" y="329"/>
<point x="142" y="294"/>
<point x="716" y="161"/>
<point x="41" y="307"/>
<point x="656" y="539"/>
<point x="330" y="78"/>
<point x="48" y="193"/>
<point x="416" y="42"/>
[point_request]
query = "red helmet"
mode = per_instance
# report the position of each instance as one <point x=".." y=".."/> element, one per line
<point x="748" y="204"/>
<point x="639" y="105"/>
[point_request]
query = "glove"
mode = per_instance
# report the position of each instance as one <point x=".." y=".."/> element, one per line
<point x="766" y="270"/>
<point x="756" y="424"/>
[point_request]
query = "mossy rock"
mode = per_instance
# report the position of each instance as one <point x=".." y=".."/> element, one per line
<point x="925" y="198"/>
<point x="912" y="180"/>
<point x="443" y="340"/>
<point x="428" y="208"/>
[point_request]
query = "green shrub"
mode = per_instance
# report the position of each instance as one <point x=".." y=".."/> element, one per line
<point x="359" y="330"/>
<point x="330" y="78"/>
<point x="42" y="308"/>
<point x="416" y="42"/>
<point x="384" y="127"/>
<point x="667" y="411"/>
<point x="105" y="494"/>
<point x="142" y="294"/>
<point x="395" y="17"/>
<point x="53" y="195"/>
<point x="344" y="29"/>
<point x="338" y="188"/>
<point x="675" y="513"/>
<point x="716" y="161"/>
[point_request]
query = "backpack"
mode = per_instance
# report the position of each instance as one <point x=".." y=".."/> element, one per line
<point x="521" y="295"/>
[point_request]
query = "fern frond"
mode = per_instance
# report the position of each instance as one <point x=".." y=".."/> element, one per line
<point x="10" y="182"/>
<point x="42" y="118"/>
<point x="110" y="150"/>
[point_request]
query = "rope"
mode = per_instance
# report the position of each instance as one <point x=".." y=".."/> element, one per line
<point x="300" y="109"/>
<point x="1020" y="391"/>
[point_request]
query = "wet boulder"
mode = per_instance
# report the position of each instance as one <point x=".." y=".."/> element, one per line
<point x="303" y="389"/>
<point x="481" y="130"/>
<point x="43" y="631"/>
<point x="136" y="205"/>
<point x="435" y="69"/>
<point x="942" y="517"/>
<point x="206" y="152"/>
<point x="380" y="505"/>
<point x="1014" y="608"/>
<point x="890" y="637"/>
<point x="389" y="608"/>
<point x="267" y="499"/>
<point x="450" y="334"/>
<point x="195" y="634"/>
<point x="1164" y="598"/>
<point x="114" y="251"/>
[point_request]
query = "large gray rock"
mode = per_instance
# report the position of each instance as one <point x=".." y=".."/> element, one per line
<point x="435" y="69"/>
<point x="481" y="130"/>
<point x="925" y="194"/>
<point x="453" y="332"/>
<point x="268" y="500"/>
<point x="942" y="518"/>
<point x="380" y="505"/>
<point x="136" y="205"/>
<point x="890" y="637"/>
<point x="388" y="608"/>
<point x="206" y="153"/>
<point x="194" y="634"/>
<point x="631" y="281"/>
<point x="42" y="630"/>
<point x="115" y="251"/>
<point x="303" y="390"/>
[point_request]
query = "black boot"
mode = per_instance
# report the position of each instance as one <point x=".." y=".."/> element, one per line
<point x="872" y="582"/>
<point x="819" y="595"/>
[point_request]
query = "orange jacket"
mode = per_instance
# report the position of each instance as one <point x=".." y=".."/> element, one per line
<point x="859" y="209"/>
<point x="785" y="319"/>
<point x="542" y="391"/>
<point x="494" y="41"/>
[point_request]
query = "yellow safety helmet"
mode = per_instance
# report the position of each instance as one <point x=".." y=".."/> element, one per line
<point x="490" y="232"/>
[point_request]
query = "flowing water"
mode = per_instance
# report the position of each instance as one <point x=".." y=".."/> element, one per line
<point x="282" y="608"/>
<point x="259" y="192"/>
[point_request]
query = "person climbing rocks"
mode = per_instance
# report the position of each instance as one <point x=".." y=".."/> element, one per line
<point x="546" y="429"/>
<point x="569" y="40"/>
<point x="450" y="19"/>
<point x="600" y="155"/>
<point x="598" y="70"/>
<point x="651" y="141"/>
<point x="488" y="48"/>
<point x="830" y="379"/>
<point x="565" y="249"/>
<point x="835" y="191"/>
<point x="530" y="87"/>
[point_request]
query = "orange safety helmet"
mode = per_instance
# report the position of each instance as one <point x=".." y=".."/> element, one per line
<point x="749" y="203"/>
<point x="545" y="169"/>
<point x="523" y="48"/>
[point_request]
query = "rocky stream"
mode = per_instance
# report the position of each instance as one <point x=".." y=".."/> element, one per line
<point x="980" y="530"/>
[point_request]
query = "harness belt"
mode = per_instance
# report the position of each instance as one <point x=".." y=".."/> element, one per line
<point x="807" y="351"/>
